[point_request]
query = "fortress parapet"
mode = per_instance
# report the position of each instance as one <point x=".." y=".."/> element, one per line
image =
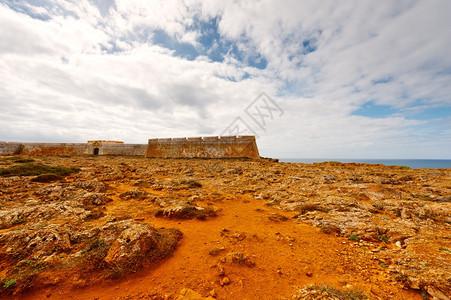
<point x="204" y="147"/>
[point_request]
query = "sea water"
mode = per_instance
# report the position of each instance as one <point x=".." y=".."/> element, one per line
<point x="412" y="163"/>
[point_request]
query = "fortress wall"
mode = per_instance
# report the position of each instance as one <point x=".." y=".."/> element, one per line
<point x="122" y="149"/>
<point x="9" y="148"/>
<point x="53" y="148"/>
<point x="204" y="147"/>
<point x="72" y="149"/>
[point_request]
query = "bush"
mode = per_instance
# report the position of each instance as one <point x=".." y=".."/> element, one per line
<point x="19" y="221"/>
<point x="383" y="238"/>
<point x="354" y="237"/>
<point x="9" y="283"/>
<point x="402" y="167"/>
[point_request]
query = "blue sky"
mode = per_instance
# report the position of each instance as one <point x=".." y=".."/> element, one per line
<point x="353" y="79"/>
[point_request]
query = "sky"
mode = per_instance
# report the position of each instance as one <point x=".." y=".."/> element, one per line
<point x="311" y="78"/>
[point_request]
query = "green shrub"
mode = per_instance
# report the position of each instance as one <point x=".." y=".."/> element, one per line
<point x="383" y="238"/>
<point x="9" y="283"/>
<point x="354" y="237"/>
<point x="19" y="221"/>
<point x="402" y="167"/>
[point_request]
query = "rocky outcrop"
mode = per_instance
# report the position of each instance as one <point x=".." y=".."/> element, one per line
<point x="113" y="250"/>
<point x="132" y="243"/>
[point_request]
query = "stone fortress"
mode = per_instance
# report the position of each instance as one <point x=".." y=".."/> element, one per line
<point x="191" y="147"/>
<point x="204" y="147"/>
<point x="89" y="148"/>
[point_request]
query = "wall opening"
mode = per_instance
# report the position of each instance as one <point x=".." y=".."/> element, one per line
<point x="96" y="151"/>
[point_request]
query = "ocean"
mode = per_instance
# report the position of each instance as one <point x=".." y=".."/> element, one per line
<point x="413" y="163"/>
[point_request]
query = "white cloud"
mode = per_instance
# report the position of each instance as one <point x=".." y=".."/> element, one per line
<point x="73" y="71"/>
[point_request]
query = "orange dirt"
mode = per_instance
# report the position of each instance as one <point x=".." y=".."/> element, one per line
<point x="287" y="255"/>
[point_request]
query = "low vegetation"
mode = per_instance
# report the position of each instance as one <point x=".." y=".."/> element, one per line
<point x="36" y="169"/>
<point x="354" y="237"/>
<point x="9" y="283"/>
<point x="402" y="167"/>
<point x="19" y="221"/>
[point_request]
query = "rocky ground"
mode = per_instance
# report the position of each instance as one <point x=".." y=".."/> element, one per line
<point x="136" y="228"/>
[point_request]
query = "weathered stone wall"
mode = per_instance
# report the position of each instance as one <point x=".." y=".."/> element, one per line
<point x="207" y="147"/>
<point x="204" y="147"/>
<point x="74" y="149"/>
<point x="117" y="149"/>
<point x="9" y="148"/>
<point x="53" y="149"/>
